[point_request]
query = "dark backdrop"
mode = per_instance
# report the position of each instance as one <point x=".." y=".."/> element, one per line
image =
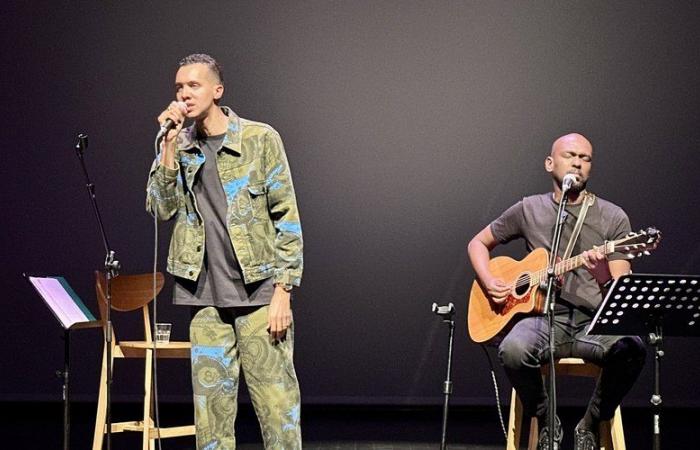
<point x="408" y="125"/>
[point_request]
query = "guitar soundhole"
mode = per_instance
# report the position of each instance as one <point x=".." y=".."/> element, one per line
<point x="522" y="285"/>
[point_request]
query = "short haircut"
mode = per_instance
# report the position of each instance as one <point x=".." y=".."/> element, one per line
<point x="203" y="58"/>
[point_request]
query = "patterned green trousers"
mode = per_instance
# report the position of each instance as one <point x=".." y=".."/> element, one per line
<point x="221" y="346"/>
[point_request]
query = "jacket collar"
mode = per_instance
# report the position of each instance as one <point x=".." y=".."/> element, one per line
<point x="187" y="139"/>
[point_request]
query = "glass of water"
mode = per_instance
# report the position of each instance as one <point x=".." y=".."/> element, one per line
<point x="163" y="332"/>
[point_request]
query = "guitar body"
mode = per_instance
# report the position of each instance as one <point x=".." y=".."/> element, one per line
<point x="486" y="319"/>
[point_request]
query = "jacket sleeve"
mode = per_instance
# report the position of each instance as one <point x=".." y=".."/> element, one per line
<point x="161" y="190"/>
<point x="282" y="206"/>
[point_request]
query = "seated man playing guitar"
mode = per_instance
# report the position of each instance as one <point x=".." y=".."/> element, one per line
<point x="526" y="346"/>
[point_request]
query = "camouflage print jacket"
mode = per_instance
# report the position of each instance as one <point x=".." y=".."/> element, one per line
<point x="263" y="219"/>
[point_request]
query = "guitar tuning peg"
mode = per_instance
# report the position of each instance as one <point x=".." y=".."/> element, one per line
<point x="647" y="252"/>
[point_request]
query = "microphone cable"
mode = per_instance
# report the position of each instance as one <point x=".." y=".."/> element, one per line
<point x="496" y="391"/>
<point x="156" y="411"/>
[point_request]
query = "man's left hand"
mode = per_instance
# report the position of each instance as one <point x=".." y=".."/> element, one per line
<point x="597" y="264"/>
<point x="280" y="313"/>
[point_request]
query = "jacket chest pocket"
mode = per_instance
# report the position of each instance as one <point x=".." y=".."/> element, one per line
<point x="258" y="200"/>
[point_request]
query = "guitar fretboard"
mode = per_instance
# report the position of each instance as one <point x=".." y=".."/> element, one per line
<point x="562" y="267"/>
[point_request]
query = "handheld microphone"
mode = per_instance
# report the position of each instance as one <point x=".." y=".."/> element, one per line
<point x="568" y="181"/>
<point x="170" y="124"/>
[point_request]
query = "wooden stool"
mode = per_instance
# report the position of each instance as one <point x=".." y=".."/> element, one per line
<point x="611" y="433"/>
<point x="134" y="293"/>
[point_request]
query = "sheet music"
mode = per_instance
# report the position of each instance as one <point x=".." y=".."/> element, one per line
<point x="65" y="307"/>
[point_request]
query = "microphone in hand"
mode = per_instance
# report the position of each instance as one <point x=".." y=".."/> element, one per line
<point x="169" y="124"/>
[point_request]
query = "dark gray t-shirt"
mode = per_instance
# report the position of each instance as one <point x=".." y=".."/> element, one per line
<point x="533" y="219"/>
<point x="220" y="282"/>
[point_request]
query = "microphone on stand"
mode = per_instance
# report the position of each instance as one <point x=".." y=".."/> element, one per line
<point x="568" y="181"/>
<point x="446" y="310"/>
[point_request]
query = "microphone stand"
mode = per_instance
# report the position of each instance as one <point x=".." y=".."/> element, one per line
<point x="447" y="313"/>
<point x="550" y="301"/>
<point x="656" y="340"/>
<point x="111" y="268"/>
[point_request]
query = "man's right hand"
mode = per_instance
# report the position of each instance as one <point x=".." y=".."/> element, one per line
<point x="497" y="289"/>
<point x="176" y="112"/>
<point x="478" y="250"/>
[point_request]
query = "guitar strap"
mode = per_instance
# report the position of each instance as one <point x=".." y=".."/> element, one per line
<point x="588" y="200"/>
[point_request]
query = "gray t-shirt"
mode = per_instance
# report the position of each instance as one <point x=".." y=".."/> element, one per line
<point x="533" y="219"/>
<point x="220" y="282"/>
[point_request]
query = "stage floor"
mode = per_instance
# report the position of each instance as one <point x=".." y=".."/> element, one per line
<point x="31" y="425"/>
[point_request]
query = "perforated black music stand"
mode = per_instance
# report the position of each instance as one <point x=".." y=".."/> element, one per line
<point x="651" y="305"/>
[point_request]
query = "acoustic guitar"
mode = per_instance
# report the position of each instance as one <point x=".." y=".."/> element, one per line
<point x="527" y="278"/>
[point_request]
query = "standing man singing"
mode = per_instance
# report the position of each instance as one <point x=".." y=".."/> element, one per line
<point x="526" y="346"/>
<point x="236" y="254"/>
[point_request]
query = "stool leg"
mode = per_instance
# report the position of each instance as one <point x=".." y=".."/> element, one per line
<point x="101" y="416"/>
<point x="147" y="399"/>
<point x="617" y="432"/>
<point x="612" y="436"/>
<point x="534" y="435"/>
<point x="514" y="422"/>
<point x="515" y="425"/>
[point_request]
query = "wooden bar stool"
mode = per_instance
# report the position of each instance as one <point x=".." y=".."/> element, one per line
<point x="134" y="293"/>
<point x="611" y="433"/>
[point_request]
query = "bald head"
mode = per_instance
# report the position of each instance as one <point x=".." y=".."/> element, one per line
<point x="571" y="141"/>
<point x="571" y="154"/>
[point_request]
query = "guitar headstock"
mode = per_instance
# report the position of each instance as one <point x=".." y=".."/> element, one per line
<point x="636" y="244"/>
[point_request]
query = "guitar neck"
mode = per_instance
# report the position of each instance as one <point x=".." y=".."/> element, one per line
<point x="566" y="265"/>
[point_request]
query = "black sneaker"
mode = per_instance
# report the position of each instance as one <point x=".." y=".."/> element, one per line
<point x="543" y="441"/>
<point x="585" y="439"/>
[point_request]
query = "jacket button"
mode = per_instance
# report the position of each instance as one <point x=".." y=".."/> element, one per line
<point x="191" y="273"/>
<point x="199" y="248"/>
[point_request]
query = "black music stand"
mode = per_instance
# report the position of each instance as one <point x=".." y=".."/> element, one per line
<point x="72" y="314"/>
<point x="651" y="305"/>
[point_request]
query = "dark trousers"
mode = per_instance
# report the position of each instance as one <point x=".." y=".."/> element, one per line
<point x="526" y="347"/>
